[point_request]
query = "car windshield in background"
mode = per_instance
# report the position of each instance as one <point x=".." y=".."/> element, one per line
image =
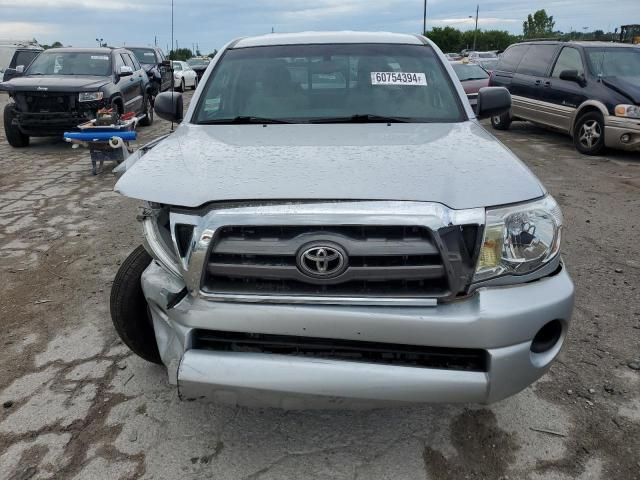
<point x="145" y="55"/>
<point x="614" y="62"/>
<point x="195" y="62"/>
<point x="488" y="64"/>
<point x="469" y="71"/>
<point x="329" y="83"/>
<point x="487" y="55"/>
<point x="71" y="63"/>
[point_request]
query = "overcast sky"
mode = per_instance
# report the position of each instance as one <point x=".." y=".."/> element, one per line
<point x="211" y="23"/>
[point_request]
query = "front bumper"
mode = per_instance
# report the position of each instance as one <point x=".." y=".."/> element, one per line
<point x="616" y="127"/>
<point x="501" y="320"/>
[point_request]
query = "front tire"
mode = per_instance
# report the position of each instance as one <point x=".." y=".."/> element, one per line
<point x="147" y="121"/>
<point x="501" y="122"/>
<point x="183" y="87"/>
<point x="195" y="83"/>
<point x="129" y="310"/>
<point x="15" y="137"/>
<point x="588" y="134"/>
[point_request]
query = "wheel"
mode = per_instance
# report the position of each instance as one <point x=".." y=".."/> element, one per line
<point x="501" y="122"/>
<point x="129" y="310"/>
<point x="588" y="133"/>
<point x="182" y="86"/>
<point x="14" y="136"/>
<point x="147" y="121"/>
<point x="195" y="83"/>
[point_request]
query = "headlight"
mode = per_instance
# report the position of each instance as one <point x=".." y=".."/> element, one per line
<point x="176" y="76"/>
<point x="90" y="96"/>
<point x="157" y="240"/>
<point x="519" y="239"/>
<point x="629" y="111"/>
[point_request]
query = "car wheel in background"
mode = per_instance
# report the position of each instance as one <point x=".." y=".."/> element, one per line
<point x="183" y="86"/>
<point x="14" y="136"/>
<point x="195" y="83"/>
<point x="129" y="309"/>
<point x="501" y="122"/>
<point x="588" y="133"/>
<point x="147" y="121"/>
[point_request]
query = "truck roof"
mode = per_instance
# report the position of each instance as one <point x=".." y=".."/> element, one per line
<point x="303" y="38"/>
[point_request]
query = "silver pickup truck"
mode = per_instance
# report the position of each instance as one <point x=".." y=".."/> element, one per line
<point x="330" y="226"/>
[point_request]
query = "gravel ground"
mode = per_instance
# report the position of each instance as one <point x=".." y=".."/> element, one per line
<point x="77" y="404"/>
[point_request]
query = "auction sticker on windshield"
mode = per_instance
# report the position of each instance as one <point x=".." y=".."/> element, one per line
<point x="398" y="78"/>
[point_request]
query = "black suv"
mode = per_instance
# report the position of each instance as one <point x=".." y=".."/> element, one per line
<point x="64" y="87"/>
<point x="157" y="66"/>
<point x="590" y="90"/>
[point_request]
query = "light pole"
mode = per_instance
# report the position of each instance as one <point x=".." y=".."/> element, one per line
<point x="424" y="19"/>
<point x="475" y="32"/>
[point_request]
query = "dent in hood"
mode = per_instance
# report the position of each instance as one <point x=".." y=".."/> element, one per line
<point x="459" y="165"/>
<point x="625" y="86"/>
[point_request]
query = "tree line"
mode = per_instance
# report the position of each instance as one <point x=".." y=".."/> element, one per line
<point x="537" y="25"/>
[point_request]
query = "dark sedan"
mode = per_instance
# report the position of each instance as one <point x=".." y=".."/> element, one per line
<point x="473" y="77"/>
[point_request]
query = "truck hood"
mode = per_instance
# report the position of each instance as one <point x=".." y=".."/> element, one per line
<point x="54" y="83"/>
<point x="458" y="164"/>
<point x="627" y="86"/>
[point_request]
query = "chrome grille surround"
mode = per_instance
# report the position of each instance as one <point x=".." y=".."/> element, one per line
<point x="208" y="222"/>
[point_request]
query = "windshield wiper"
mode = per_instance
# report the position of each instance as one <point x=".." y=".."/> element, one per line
<point x="361" y="118"/>
<point x="241" y="120"/>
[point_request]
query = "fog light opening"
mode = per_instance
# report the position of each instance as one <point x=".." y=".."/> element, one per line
<point x="547" y="337"/>
<point x="625" y="138"/>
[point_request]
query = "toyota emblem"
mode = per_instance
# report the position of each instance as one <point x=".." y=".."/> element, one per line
<point x="322" y="260"/>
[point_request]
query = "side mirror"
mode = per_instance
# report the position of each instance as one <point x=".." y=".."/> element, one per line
<point x="572" y="76"/>
<point x="169" y="106"/>
<point x="125" y="71"/>
<point x="20" y="69"/>
<point x="493" y="101"/>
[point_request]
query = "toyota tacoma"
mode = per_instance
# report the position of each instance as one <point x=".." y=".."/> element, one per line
<point x="318" y="233"/>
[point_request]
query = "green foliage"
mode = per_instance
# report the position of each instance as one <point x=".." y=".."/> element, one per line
<point x="53" y="45"/>
<point x="538" y="25"/>
<point x="453" y="40"/>
<point x="180" y="54"/>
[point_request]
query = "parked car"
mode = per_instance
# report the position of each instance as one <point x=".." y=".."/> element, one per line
<point x="64" y="87"/>
<point x="199" y="65"/>
<point x="454" y="57"/>
<point x="345" y="245"/>
<point x="16" y="56"/>
<point x="482" y="55"/>
<point x="590" y="90"/>
<point x="184" y="76"/>
<point x="473" y="77"/>
<point x="156" y="64"/>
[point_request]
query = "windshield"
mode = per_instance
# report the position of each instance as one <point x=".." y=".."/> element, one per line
<point x="325" y="83"/>
<point x="196" y="62"/>
<point x="145" y="56"/>
<point x="71" y="63"/>
<point x="614" y="62"/>
<point x="469" y="71"/>
<point x="488" y="64"/>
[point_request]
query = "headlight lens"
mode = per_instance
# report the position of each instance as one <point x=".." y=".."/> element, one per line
<point x="629" y="111"/>
<point x="519" y="239"/>
<point x="90" y="96"/>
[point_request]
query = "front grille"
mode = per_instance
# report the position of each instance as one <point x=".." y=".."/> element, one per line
<point x="465" y="359"/>
<point x="383" y="261"/>
<point x="48" y="102"/>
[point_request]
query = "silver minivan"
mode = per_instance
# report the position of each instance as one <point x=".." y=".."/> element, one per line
<point x="330" y="226"/>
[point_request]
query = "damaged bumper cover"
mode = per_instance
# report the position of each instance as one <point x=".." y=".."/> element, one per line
<point x="499" y="321"/>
